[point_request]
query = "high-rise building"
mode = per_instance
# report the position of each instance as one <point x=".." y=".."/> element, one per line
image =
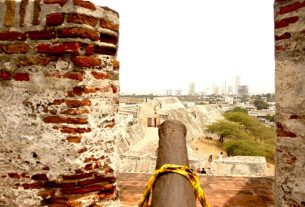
<point x="169" y="92"/>
<point x="237" y="83"/>
<point x="192" y="89"/>
<point x="243" y="90"/>
<point x="230" y="90"/>
<point x="178" y="92"/>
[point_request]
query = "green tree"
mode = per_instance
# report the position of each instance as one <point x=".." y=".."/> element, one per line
<point x="260" y="104"/>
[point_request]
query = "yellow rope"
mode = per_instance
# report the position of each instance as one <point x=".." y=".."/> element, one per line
<point x="182" y="170"/>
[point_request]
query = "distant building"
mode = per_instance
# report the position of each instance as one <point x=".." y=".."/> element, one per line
<point x="169" y="92"/>
<point x="178" y="92"/>
<point x="237" y="83"/>
<point x="192" y="89"/>
<point x="243" y="90"/>
<point x="230" y="90"/>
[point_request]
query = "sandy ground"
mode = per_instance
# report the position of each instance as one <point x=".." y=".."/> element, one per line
<point x="206" y="147"/>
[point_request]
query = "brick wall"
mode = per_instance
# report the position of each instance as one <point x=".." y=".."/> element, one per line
<point x="59" y="96"/>
<point x="290" y="98"/>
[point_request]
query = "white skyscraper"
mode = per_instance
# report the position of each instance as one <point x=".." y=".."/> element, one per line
<point x="192" y="89"/>
<point x="237" y="83"/>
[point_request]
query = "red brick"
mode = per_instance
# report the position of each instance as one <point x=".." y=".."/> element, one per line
<point x="11" y="36"/>
<point x="85" y="4"/>
<point x="284" y="36"/>
<point x="58" y="119"/>
<point x="55" y="19"/>
<point x="114" y="88"/>
<point x="15" y="48"/>
<point x="281" y="132"/>
<point x="108" y="38"/>
<point x="81" y="19"/>
<point x="36" y="185"/>
<point x="39" y="177"/>
<point x="57" y="102"/>
<point x="53" y="75"/>
<point x="88" y="89"/>
<point x="58" y="48"/>
<point x="116" y="64"/>
<point x="77" y="176"/>
<point x="292" y="7"/>
<point x="36" y="12"/>
<point x="74" y="139"/>
<point x="109" y="25"/>
<point x="23" y="5"/>
<point x="105" y="50"/>
<point x="34" y="60"/>
<point x="5" y="75"/>
<point x="78" y="103"/>
<point x="96" y="180"/>
<point x="60" y="2"/>
<point x="89" y="50"/>
<point x="84" y="190"/>
<point x="78" y="91"/>
<point x="52" y="184"/>
<point x="78" y="32"/>
<point x="84" y="61"/>
<point x="21" y="76"/>
<point x="74" y="76"/>
<point x="70" y="130"/>
<point x="75" y="111"/>
<point x="14" y="175"/>
<point x="42" y="35"/>
<point x="100" y="75"/>
<point x="285" y="22"/>
<point x="46" y="193"/>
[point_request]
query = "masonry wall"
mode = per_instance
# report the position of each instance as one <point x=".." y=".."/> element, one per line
<point x="58" y="100"/>
<point x="290" y="98"/>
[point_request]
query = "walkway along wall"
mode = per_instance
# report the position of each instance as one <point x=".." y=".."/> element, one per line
<point x="59" y="96"/>
<point x="290" y="99"/>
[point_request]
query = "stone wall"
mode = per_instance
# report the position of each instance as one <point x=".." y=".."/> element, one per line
<point x="59" y="96"/>
<point x="290" y="100"/>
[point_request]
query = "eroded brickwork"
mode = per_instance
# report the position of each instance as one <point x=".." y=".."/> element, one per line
<point x="59" y="96"/>
<point x="290" y="98"/>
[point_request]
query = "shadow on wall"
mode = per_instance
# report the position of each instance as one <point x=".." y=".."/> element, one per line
<point x="252" y="192"/>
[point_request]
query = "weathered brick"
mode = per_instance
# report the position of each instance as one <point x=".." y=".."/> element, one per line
<point x="42" y="35"/>
<point x="53" y="184"/>
<point x="5" y="75"/>
<point x="81" y="19"/>
<point x="88" y="89"/>
<point x="11" y="36"/>
<point x="78" y="103"/>
<point x="100" y="75"/>
<point x="10" y="13"/>
<point x="83" y="190"/>
<point x="36" y="12"/>
<point x="281" y="132"/>
<point x="115" y="64"/>
<point x="57" y="102"/>
<point x="55" y="19"/>
<point x="56" y="202"/>
<point x="109" y="10"/>
<point x="52" y="75"/>
<point x="85" y="61"/>
<point x="21" y="76"/>
<point x="105" y="50"/>
<point x="23" y="5"/>
<point x="89" y="50"/>
<point x="291" y="7"/>
<point x="46" y="193"/>
<point x="60" y="2"/>
<point x="114" y="88"/>
<point x="74" y="139"/>
<point x="71" y="130"/>
<point x="14" y="175"/>
<point x="286" y="21"/>
<point x="77" y="176"/>
<point x="34" y="60"/>
<point x="109" y="25"/>
<point x="74" y="76"/>
<point x="41" y="176"/>
<point x="286" y="35"/>
<point x="78" y="91"/>
<point x="97" y="179"/>
<point x="78" y="32"/>
<point x="85" y="4"/>
<point x="15" y="48"/>
<point x="58" y="48"/>
<point x="68" y="120"/>
<point x="36" y="185"/>
<point x="108" y="38"/>
<point x="75" y="111"/>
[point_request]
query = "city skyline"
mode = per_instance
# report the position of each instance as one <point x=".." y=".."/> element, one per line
<point x="165" y="45"/>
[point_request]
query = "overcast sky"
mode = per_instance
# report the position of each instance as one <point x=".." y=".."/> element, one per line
<point x="166" y="44"/>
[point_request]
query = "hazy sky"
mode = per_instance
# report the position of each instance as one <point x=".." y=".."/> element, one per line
<point x="166" y="44"/>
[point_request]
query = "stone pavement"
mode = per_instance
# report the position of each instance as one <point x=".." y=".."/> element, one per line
<point x="220" y="191"/>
